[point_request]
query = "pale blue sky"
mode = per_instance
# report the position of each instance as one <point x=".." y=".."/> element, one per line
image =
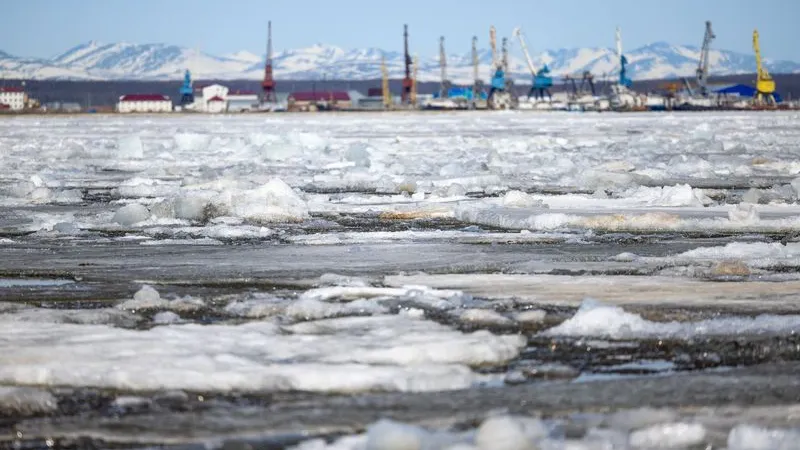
<point x="43" y="28"/>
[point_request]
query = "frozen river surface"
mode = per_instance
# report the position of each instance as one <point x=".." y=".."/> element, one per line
<point x="401" y="281"/>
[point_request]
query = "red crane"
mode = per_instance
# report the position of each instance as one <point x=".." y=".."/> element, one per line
<point x="407" y="82"/>
<point x="269" y="83"/>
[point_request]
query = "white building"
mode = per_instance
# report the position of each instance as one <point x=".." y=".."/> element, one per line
<point x="215" y="105"/>
<point x="144" y="103"/>
<point x="239" y="101"/>
<point x="13" y="97"/>
<point x="204" y="94"/>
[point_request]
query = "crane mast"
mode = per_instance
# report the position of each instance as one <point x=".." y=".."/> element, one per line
<point x="505" y="55"/>
<point x="407" y="81"/>
<point x="702" y="68"/>
<point x="445" y="87"/>
<point x="765" y="85"/>
<point x="493" y="43"/>
<point x="475" y="60"/>
<point x="268" y="85"/>
<point x="624" y="81"/>
<point x="413" y="94"/>
<point x="477" y="85"/>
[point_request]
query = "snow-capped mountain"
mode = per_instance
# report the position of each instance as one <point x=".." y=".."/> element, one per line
<point x="93" y="60"/>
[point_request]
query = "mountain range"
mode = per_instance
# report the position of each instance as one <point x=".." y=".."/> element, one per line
<point x="126" y="61"/>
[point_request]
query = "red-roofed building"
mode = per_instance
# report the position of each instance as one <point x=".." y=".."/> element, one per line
<point x="12" y="96"/>
<point x="306" y="101"/>
<point x="144" y="103"/>
<point x="216" y="104"/>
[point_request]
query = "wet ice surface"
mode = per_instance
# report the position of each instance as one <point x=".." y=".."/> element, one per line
<point x="414" y="281"/>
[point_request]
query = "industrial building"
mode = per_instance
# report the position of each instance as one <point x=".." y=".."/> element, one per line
<point x="242" y="101"/>
<point x="319" y="100"/>
<point x="13" y="98"/>
<point x="204" y="94"/>
<point x="144" y="103"/>
<point x="215" y="105"/>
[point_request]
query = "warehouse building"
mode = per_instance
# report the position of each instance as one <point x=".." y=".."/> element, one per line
<point x="13" y="98"/>
<point x="241" y="101"/>
<point x="144" y="103"/>
<point x="318" y="100"/>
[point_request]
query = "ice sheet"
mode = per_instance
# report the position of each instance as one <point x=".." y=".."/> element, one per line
<point x="381" y="352"/>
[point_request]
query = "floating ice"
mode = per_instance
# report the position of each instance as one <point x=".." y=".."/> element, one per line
<point x="130" y="147"/>
<point x="191" y="142"/>
<point x="594" y="319"/>
<point x="749" y="437"/>
<point x="396" y="353"/>
<point x="131" y="214"/>
<point x="274" y="201"/>
<point x="23" y="401"/>
<point x="668" y="436"/>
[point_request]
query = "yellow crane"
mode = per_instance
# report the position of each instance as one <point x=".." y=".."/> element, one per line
<point x="387" y="94"/>
<point x="765" y="85"/>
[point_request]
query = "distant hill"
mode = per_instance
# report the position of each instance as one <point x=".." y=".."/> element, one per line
<point x="150" y="62"/>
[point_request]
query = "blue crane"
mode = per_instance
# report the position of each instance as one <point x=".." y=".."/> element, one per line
<point x="187" y="91"/>
<point x="623" y="62"/>
<point x="542" y="81"/>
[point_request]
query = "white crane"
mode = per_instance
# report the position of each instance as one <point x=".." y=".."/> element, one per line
<point x="445" y="87"/>
<point x="518" y="33"/>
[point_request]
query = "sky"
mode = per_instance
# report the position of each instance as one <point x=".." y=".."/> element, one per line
<point x="45" y="28"/>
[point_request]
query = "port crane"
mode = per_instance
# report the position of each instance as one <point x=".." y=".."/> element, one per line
<point x="477" y="86"/>
<point x="765" y="85"/>
<point x="412" y="96"/>
<point x="407" y="81"/>
<point x="186" y="90"/>
<point x="387" y="94"/>
<point x="499" y="95"/>
<point x="702" y="67"/>
<point x="268" y="85"/>
<point x="624" y="81"/>
<point x="542" y="82"/>
<point x="444" y="91"/>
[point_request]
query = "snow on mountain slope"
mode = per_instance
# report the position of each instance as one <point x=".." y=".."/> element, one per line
<point x="93" y="60"/>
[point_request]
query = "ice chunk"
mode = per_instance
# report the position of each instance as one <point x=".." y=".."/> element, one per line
<point x="668" y="436"/>
<point x="749" y="437"/>
<point x="505" y="433"/>
<point x="191" y="141"/>
<point x="390" y="435"/>
<point x="744" y="213"/>
<point x="166" y="318"/>
<point x="145" y="298"/>
<point x="484" y="317"/>
<point x="531" y="316"/>
<point x="521" y="199"/>
<point x="358" y="153"/>
<point x="24" y="401"/>
<point x="598" y="320"/>
<point x="274" y="201"/>
<point x="131" y="214"/>
<point x="69" y="196"/>
<point x="130" y="147"/>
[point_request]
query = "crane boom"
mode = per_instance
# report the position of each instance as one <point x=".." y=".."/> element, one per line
<point x="702" y="67"/>
<point x="475" y="60"/>
<point x="518" y="34"/>
<point x="493" y="43"/>
<point x="443" y="65"/>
